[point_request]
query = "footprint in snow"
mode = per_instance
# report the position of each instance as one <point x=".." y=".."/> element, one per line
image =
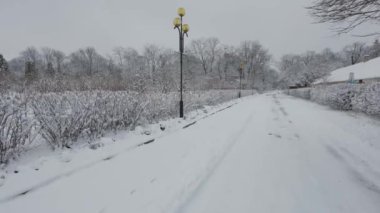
<point x="297" y="136"/>
<point x="276" y="135"/>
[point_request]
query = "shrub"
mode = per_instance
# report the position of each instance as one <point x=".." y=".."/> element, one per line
<point x="15" y="125"/>
<point x="368" y="100"/>
<point x="358" y="97"/>
<point x="63" y="118"/>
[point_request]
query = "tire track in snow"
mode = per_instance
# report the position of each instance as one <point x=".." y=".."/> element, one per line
<point x="355" y="174"/>
<point x="200" y="181"/>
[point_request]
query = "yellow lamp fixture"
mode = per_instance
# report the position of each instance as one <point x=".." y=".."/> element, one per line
<point x="181" y="11"/>
<point x="185" y="28"/>
<point x="177" y="22"/>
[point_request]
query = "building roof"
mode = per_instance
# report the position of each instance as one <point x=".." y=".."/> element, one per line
<point x="362" y="71"/>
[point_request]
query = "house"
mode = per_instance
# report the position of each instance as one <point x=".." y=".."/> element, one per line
<point x="364" y="72"/>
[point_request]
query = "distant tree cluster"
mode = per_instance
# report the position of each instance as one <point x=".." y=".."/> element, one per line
<point x="304" y="69"/>
<point x="208" y="64"/>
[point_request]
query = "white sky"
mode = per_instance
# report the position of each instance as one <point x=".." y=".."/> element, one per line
<point x="281" y="26"/>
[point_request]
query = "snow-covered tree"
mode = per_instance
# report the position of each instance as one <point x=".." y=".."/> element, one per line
<point x="3" y="65"/>
<point x="354" y="53"/>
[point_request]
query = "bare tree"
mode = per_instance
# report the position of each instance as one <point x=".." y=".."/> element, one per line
<point x="227" y="61"/>
<point x="31" y="54"/>
<point x="351" y="13"/>
<point x="118" y="53"/>
<point x="128" y="59"/>
<point x="58" y="58"/>
<point x="212" y="45"/>
<point x="199" y="50"/>
<point x="354" y="52"/>
<point x="304" y="69"/>
<point x="90" y="54"/>
<point x="48" y="59"/>
<point x="151" y="55"/>
<point x="205" y="49"/>
<point x="375" y="49"/>
<point x="3" y="65"/>
<point x="88" y="60"/>
<point x="255" y="59"/>
<point x="32" y="63"/>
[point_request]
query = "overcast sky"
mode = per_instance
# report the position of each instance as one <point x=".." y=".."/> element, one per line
<point x="281" y="26"/>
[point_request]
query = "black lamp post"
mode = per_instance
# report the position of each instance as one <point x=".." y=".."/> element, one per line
<point x="183" y="29"/>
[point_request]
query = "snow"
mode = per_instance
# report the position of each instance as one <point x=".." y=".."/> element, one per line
<point x="364" y="98"/>
<point x="267" y="153"/>
<point x="364" y="70"/>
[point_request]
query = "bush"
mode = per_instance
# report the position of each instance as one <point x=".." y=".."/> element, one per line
<point x="15" y="125"/>
<point x="358" y="97"/>
<point x="63" y="118"/>
<point x="338" y="96"/>
<point x="368" y="100"/>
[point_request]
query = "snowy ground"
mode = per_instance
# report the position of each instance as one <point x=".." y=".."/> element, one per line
<point x="268" y="153"/>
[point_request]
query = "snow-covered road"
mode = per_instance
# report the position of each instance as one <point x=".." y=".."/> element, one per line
<point x="269" y="153"/>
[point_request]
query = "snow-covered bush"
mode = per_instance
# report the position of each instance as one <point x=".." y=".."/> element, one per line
<point x="159" y="106"/>
<point x="358" y="97"/>
<point x="113" y="111"/>
<point x="15" y="124"/>
<point x="63" y="118"/>
<point x="339" y="96"/>
<point x="368" y="99"/>
<point x="165" y="105"/>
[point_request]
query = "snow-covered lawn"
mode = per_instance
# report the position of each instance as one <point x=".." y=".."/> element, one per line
<point x="268" y="153"/>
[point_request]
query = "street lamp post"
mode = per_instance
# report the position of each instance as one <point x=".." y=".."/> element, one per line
<point x="183" y="29"/>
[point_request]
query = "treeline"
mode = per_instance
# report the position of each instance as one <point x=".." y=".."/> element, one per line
<point x="305" y="68"/>
<point x="208" y="64"/>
